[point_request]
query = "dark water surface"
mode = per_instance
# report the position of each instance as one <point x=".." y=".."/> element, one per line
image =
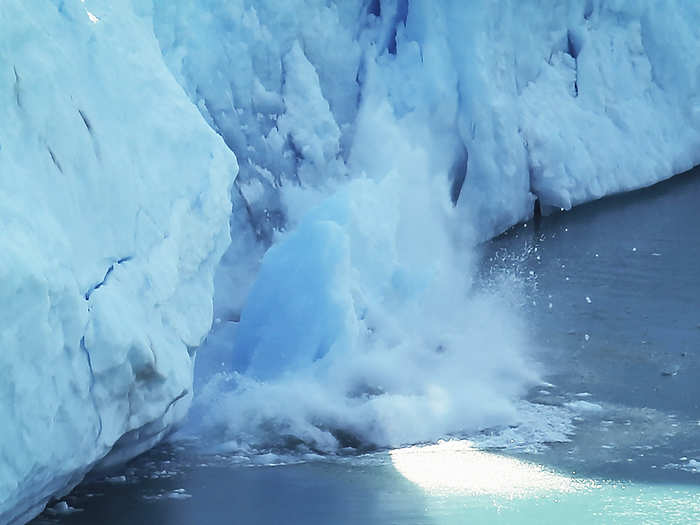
<point x="616" y="312"/>
<point x="614" y="290"/>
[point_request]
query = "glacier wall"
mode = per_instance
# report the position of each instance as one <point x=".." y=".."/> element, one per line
<point x="521" y="101"/>
<point x="114" y="206"/>
<point x="378" y="142"/>
<point x="487" y="110"/>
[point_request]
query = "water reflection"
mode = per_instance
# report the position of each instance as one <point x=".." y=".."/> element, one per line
<point x="457" y="467"/>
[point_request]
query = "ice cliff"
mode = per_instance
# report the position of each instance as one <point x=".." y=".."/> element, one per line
<point x="466" y="117"/>
<point x="513" y="101"/>
<point x="377" y="141"/>
<point x="114" y="213"/>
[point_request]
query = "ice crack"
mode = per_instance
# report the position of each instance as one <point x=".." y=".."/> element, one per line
<point x="98" y="285"/>
<point x="84" y="348"/>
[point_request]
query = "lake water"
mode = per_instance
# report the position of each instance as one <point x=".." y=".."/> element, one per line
<point x="613" y="290"/>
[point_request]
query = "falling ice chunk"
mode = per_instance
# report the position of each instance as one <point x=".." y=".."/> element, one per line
<point x="634" y="249"/>
<point x="588" y="300"/>
<point x="586" y="337"/>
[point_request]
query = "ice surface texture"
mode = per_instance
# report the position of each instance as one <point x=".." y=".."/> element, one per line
<point x="114" y="206"/>
<point x="357" y="126"/>
<point x="565" y="103"/>
<point x="487" y="105"/>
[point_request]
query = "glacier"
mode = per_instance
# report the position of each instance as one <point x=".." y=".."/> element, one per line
<point x="475" y="116"/>
<point x="356" y="152"/>
<point x="114" y="205"/>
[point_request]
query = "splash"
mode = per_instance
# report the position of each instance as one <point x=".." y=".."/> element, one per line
<point x="364" y="327"/>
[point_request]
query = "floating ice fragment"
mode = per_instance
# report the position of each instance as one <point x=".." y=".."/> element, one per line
<point x="584" y="406"/>
<point x="178" y="494"/>
<point x="62" y="509"/>
<point x="671" y="371"/>
<point x="116" y="479"/>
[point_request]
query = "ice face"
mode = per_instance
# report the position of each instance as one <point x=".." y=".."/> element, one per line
<point x="378" y="142"/>
<point x="489" y="106"/>
<point x="564" y="104"/>
<point x="114" y="205"/>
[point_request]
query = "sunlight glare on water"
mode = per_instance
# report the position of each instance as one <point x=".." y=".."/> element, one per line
<point x="458" y="467"/>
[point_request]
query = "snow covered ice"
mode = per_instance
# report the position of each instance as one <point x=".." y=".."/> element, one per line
<point x="378" y="141"/>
